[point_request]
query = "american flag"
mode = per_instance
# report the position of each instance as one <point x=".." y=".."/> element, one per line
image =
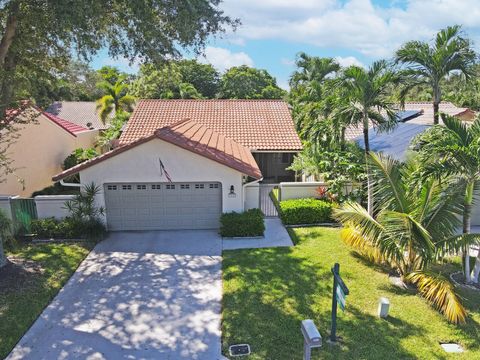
<point x="164" y="172"/>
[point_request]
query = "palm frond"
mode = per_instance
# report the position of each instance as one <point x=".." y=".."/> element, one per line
<point x="353" y="237"/>
<point x="440" y="293"/>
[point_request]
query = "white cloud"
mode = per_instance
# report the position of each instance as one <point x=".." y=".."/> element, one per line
<point x="287" y="62"/>
<point x="354" y="24"/>
<point x="349" y="61"/>
<point x="223" y="59"/>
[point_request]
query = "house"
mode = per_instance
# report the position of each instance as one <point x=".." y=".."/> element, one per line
<point x="81" y="113"/>
<point x="181" y="163"/>
<point x="413" y="120"/>
<point x="39" y="149"/>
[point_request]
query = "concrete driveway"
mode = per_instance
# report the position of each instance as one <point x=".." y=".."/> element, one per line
<point x="138" y="295"/>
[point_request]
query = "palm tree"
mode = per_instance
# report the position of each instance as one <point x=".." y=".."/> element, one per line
<point x="454" y="150"/>
<point x="429" y="64"/>
<point x="414" y="224"/>
<point x="367" y="93"/>
<point x="115" y="99"/>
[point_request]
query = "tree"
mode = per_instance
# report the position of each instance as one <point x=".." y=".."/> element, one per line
<point x="368" y="103"/>
<point x="454" y="150"/>
<point x="429" y="64"/>
<point x="203" y="77"/>
<point x="244" y="82"/>
<point x="115" y="98"/>
<point x="161" y="82"/>
<point x="107" y="137"/>
<point x="414" y="224"/>
<point x="37" y="37"/>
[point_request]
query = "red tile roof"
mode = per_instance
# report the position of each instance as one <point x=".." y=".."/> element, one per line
<point x="64" y="124"/>
<point x="191" y="136"/>
<point x="256" y="124"/>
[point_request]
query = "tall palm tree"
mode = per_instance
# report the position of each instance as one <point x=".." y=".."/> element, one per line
<point x="454" y="150"/>
<point x="308" y="84"/>
<point x="414" y="224"/>
<point x="368" y="102"/>
<point x="115" y="99"/>
<point x="429" y="64"/>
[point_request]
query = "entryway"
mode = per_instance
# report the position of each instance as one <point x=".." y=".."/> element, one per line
<point x="266" y="203"/>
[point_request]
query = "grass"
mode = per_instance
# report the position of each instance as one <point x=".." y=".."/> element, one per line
<point x="21" y="306"/>
<point x="267" y="292"/>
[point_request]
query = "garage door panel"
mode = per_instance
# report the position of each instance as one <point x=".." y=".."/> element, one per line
<point x="162" y="206"/>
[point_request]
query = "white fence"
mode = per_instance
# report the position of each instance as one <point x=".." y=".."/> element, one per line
<point x="52" y="206"/>
<point x="252" y="196"/>
<point x="5" y="205"/>
<point x="299" y="190"/>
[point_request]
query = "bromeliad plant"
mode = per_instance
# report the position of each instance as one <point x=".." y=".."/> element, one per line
<point x="413" y="225"/>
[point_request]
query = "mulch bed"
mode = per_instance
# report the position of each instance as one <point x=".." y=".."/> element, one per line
<point x="460" y="280"/>
<point x="19" y="274"/>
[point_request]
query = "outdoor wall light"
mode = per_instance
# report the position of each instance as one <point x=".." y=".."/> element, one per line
<point x="232" y="192"/>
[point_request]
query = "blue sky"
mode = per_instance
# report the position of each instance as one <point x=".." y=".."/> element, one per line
<point x="353" y="31"/>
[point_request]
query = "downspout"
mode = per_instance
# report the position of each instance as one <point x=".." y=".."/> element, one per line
<point x="70" y="184"/>
<point x="244" y="186"/>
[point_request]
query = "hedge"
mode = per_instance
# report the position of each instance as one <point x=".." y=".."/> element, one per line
<point x="305" y="211"/>
<point x="68" y="228"/>
<point x="246" y="224"/>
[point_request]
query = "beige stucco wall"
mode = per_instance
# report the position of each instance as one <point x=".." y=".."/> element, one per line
<point x="141" y="164"/>
<point x="38" y="154"/>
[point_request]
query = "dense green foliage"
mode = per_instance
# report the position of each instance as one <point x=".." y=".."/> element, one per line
<point x="268" y="292"/>
<point x="39" y="37"/>
<point x="305" y="211"/>
<point x="243" y="82"/>
<point x="57" y="229"/>
<point x="246" y="224"/>
<point x="21" y="305"/>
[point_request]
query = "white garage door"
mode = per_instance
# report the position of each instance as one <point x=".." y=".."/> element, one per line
<point x="163" y="206"/>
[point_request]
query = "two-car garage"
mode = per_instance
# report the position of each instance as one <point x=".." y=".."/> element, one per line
<point x="163" y="206"/>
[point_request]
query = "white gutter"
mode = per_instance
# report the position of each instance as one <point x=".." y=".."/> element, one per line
<point x="70" y="184"/>
<point x="244" y="187"/>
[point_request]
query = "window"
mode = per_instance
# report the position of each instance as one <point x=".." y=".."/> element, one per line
<point x="185" y="186"/>
<point x="111" y="187"/>
<point x="141" y="187"/>
<point x="213" y="186"/>
<point x="199" y="186"/>
<point x="126" y="187"/>
<point x="170" y="187"/>
<point x="156" y="187"/>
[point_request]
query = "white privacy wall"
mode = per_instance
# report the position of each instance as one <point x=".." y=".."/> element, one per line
<point x="52" y="206"/>
<point x="252" y="196"/>
<point x="141" y="164"/>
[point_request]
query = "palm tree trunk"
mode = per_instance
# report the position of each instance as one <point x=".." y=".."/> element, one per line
<point x="436" y="104"/>
<point x="467" y="212"/>
<point x="369" y="180"/>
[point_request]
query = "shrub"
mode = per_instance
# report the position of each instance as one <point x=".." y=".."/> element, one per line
<point x="305" y="211"/>
<point x="248" y="223"/>
<point x="68" y="228"/>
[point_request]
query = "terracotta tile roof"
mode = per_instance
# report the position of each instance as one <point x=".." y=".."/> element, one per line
<point x="191" y="136"/>
<point x="425" y="118"/>
<point x="31" y="112"/>
<point x="82" y="113"/>
<point x="255" y="124"/>
<point x="71" y="128"/>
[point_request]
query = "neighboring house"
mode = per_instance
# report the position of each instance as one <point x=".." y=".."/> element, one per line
<point x="82" y="113"/>
<point x="413" y="120"/>
<point x="181" y="163"/>
<point x="39" y="151"/>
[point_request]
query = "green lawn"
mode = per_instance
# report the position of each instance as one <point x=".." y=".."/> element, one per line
<point x="267" y="292"/>
<point x="21" y="306"/>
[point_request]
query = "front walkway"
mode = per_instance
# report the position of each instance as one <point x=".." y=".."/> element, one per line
<point x="275" y="236"/>
<point x="138" y="295"/>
